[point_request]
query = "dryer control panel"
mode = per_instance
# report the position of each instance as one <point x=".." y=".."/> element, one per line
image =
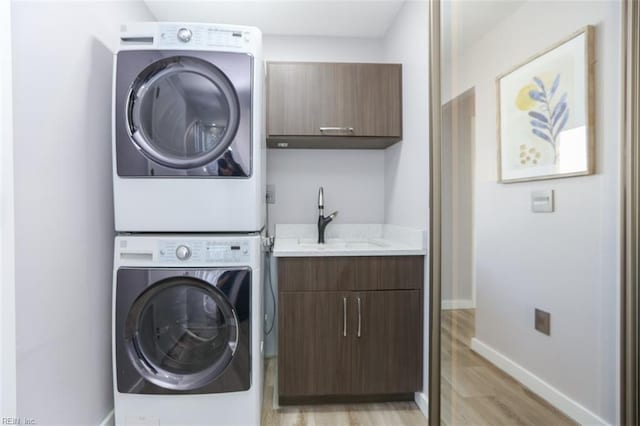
<point x="202" y="251"/>
<point x="176" y="35"/>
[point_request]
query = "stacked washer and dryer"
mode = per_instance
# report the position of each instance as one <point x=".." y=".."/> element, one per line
<point x="189" y="198"/>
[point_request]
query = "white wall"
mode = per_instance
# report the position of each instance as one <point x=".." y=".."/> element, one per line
<point x="321" y="49"/>
<point x="567" y="262"/>
<point x="406" y="164"/>
<point x="7" y="269"/>
<point x="62" y="64"/>
<point x="353" y="182"/>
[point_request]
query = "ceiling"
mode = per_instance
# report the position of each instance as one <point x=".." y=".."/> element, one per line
<point x="343" y="18"/>
<point x="465" y="21"/>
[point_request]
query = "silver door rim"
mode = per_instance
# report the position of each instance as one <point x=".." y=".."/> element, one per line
<point x="138" y="90"/>
<point x="161" y="377"/>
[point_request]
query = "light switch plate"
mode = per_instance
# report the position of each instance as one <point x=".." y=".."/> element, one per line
<point x="542" y="201"/>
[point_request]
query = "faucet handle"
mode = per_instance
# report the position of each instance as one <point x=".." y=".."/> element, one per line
<point x="333" y="215"/>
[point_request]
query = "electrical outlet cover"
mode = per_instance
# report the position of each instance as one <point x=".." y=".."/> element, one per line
<point x="271" y="194"/>
<point x="543" y="322"/>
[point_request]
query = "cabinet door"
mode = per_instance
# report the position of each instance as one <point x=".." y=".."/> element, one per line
<point x="378" y="91"/>
<point x="401" y="272"/>
<point x="315" y="339"/>
<point x="306" y="98"/>
<point x="334" y="99"/>
<point x="344" y="273"/>
<point x="316" y="273"/>
<point x="387" y="351"/>
<point x="387" y="273"/>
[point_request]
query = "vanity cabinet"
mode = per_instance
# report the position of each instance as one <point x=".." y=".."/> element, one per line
<point x="333" y="105"/>
<point x="350" y="328"/>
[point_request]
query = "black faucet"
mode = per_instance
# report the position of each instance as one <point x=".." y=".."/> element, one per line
<point x="322" y="220"/>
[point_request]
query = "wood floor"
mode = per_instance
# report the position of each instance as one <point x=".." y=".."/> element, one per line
<point x="474" y="392"/>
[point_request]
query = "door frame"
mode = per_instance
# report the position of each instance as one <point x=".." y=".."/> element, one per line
<point x="435" y="211"/>
<point x="630" y="378"/>
<point x="453" y="104"/>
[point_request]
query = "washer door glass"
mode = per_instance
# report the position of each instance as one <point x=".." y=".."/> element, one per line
<point x="181" y="333"/>
<point x="182" y="112"/>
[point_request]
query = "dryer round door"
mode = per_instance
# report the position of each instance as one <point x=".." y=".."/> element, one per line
<point x="182" y="112"/>
<point x="181" y="333"/>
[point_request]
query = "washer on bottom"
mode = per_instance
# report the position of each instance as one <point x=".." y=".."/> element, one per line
<point x="187" y="329"/>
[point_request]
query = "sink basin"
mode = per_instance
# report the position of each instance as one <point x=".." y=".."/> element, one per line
<point x="326" y="246"/>
<point x="329" y="245"/>
<point x="365" y="244"/>
<point x="337" y="244"/>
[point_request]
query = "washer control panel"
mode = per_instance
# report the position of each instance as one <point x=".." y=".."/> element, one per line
<point x="199" y="251"/>
<point x="201" y="36"/>
<point x="183" y="252"/>
<point x="184" y="35"/>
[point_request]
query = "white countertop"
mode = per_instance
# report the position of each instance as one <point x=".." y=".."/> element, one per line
<point x="349" y="240"/>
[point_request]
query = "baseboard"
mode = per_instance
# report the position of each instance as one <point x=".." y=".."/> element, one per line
<point x="423" y="403"/>
<point x="344" y="399"/>
<point x="109" y="420"/>
<point x="457" y="304"/>
<point x="276" y="404"/>
<point x="536" y="385"/>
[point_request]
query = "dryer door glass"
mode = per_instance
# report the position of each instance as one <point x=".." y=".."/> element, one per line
<point x="182" y="112"/>
<point x="182" y="333"/>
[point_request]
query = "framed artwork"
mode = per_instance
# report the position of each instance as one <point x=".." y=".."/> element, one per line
<point x="546" y="121"/>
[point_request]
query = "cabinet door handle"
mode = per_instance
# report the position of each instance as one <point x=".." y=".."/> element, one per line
<point x="359" y="318"/>
<point x="336" y="129"/>
<point x="344" y="316"/>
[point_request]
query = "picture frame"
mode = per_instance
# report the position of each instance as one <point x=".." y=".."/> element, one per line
<point x="546" y="113"/>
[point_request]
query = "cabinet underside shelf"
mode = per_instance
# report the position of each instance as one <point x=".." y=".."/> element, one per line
<point x="331" y="142"/>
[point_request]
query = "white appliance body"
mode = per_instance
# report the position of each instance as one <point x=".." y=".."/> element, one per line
<point x="188" y="148"/>
<point x="138" y="400"/>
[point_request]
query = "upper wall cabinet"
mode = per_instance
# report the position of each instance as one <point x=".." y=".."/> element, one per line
<point x="333" y="105"/>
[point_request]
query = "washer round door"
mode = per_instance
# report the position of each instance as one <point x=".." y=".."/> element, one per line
<point x="181" y="333"/>
<point x="182" y="112"/>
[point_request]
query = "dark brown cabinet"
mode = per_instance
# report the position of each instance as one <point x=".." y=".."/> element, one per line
<point x="362" y="341"/>
<point x="350" y="273"/>
<point x="314" y="358"/>
<point x="333" y="105"/>
<point x="387" y="351"/>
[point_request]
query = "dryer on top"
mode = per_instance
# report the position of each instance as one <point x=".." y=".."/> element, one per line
<point x="188" y="151"/>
